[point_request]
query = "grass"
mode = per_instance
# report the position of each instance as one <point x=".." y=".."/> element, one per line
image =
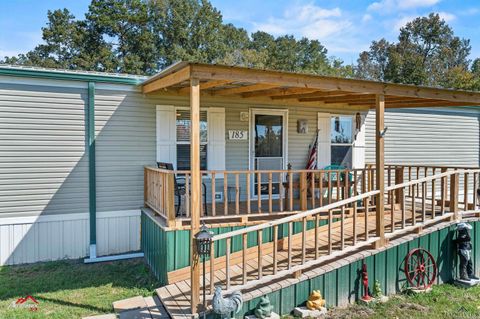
<point x="71" y="289"/>
<point x="444" y="301"/>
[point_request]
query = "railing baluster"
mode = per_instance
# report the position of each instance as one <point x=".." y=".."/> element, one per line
<point x="355" y="183"/>
<point x="424" y="191"/>
<point x="249" y="208"/>
<point x="389" y="182"/>
<point x="330" y="220"/>
<point x="355" y="208"/>
<point x="290" y="234"/>
<point x="342" y="228"/>
<point x="304" y="239"/>
<point x="465" y="191"/>
<point x="280" y="195"/>
<point x="409" y="179"/>
<point x="364" y="180"/>
<point x="212" y="268"/>
<point x="290" y="190"/>
<point x="227" y="262"/>
<point x="320" y="183"/>
<point x="365" y="205"/>
<point x="433" y="194"/>
<point x="244" y="258"/>
<point x="404" y="208"/>
<point x="187" y="195"/>
<point x="259" y="250"/>
<point x="346" y="189"/>
<point x="213" y="186"/>
<point x="443" y="185"/>
<point x="270" y="192"/>
<point x="413" y="205"/>
<point x="338" y="186"/>
<point x="312" y="188"/>
<point x="317" y="217"/>
<point x="418" y="177"/>
<point x="259" y="192"/>
<point x="474" y="191"/>
<point x="329" y="187"/>
<point x="225" y="194"/>
<point x="275" y="248"/>
<point x="237" y="193"/>
<point x="392" y="210"/>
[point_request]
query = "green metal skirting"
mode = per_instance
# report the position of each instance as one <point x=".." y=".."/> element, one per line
<point x="174" y="246"/>
<point x="166" y="251"/>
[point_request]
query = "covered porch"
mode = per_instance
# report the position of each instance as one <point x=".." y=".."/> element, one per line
<point x="304" y="217"/>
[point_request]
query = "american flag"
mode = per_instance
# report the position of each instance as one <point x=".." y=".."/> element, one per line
<point x="312" y="155"/>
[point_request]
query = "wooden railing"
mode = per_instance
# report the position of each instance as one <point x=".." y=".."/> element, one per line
<point x="403" y="212"/>
<point x="282" y="191"/>
<point x="159" y="193"/>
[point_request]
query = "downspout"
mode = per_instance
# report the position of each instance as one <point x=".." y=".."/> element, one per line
<point x="92" y="184"/>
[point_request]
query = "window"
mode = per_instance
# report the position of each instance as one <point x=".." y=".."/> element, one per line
<point x="341" y="140"/>
<point x="183" y="127"/>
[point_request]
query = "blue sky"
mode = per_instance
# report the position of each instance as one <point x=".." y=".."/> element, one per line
<point x="344" y="27"/>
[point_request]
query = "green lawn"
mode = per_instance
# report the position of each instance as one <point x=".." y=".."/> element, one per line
<point x="71" y="289"/>
<point x="445" y="301"/>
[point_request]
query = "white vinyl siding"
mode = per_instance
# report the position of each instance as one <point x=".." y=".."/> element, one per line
<point x="43" y="165"/>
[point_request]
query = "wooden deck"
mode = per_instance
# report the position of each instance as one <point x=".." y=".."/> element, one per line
<point x="176" y="296"/>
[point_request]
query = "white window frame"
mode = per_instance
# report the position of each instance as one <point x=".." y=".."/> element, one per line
<point x="352" y="138"/>
<point x="186" y="108"/>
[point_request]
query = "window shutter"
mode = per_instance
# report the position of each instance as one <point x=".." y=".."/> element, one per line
<point x="358" y="156"/>
<point x="216" y="138"/>
<point x="323" y="152"/>
<point x="166" y="134"/>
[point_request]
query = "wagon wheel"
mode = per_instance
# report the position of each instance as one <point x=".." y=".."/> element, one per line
<point x="420" y="268"/>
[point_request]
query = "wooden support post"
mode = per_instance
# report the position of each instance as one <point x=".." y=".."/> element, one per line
<point x="454" y="181"/>
<point x="380" y="163"/>
<point x="195" y="191"/>
<point x="399" y="171"/>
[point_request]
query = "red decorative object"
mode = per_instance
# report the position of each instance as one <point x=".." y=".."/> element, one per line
<point x="420" y="268"/>
<point x="366" y="296"/>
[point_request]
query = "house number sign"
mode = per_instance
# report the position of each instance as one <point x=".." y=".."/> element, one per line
<point x="237" y="135"/>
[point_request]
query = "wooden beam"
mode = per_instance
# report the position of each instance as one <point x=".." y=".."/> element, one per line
<point x="195" y="192"/>
<point x="380" y="163"/>
<point x="245" y="88"/>
<point x="205" y="86"/>
<point x="278" y="78"/>
<point x="339" y="99"/>
<point x="168" y="80"/>
<point x="417" y="104"/>
<point x="310" y="95"/>
<point x="278" y="92"/>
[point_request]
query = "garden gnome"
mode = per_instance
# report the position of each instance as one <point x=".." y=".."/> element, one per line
<point x="464" y="248"/>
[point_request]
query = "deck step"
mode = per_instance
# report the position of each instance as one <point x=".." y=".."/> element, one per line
<point x="137" y="302"/>
<point x="107" y="316"/>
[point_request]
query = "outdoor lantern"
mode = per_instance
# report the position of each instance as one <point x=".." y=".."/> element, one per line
<point x="204" y="247"/>
<point x="204" y="241"/>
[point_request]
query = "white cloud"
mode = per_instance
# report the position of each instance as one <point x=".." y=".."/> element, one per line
<point x="366" y="17"/>
<point x="387" y="6"/>
<point x="448" y="17"/>
<point x="307" y="20"/>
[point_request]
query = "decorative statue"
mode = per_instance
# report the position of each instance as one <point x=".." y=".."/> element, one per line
<point x="264" y="308"/>
<point x="464" y="248"/>
<point x="315" y="301"/>
<point x="225" y="306"/>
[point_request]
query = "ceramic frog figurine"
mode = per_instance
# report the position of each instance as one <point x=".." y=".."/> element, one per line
<point x="264" y="308"/>
<point x="315" y="301"/>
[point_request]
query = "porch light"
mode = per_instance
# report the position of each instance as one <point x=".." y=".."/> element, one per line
<point x="204" y="241"/>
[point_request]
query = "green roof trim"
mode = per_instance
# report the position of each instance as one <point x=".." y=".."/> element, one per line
<point x="97" y="77"/>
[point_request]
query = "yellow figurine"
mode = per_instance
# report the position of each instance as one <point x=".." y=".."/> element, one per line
<point x="315" y="301"/>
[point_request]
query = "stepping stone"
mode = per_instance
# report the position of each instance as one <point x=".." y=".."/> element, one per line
<point x="156" y="308"/>
<point x="135" y="314"/>
<point x="304" y="312"/>
<point x="129" y="304"/>
<point x="108" y="316"/>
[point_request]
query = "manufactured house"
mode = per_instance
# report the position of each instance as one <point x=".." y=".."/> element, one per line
<point x="105" y="167"/>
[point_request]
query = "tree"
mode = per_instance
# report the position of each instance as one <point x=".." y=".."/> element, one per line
<point x="426" y="53"/>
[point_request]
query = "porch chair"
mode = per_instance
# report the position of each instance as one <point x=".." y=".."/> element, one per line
<point x="180" y="189"/>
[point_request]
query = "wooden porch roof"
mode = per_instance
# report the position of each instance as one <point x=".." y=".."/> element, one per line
<point x="297" y="88"/>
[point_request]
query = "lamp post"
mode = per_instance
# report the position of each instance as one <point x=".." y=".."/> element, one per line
<point x="204" y="246"/>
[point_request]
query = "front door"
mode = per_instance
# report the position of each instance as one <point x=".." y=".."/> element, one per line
<point x="268" y="148"/>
